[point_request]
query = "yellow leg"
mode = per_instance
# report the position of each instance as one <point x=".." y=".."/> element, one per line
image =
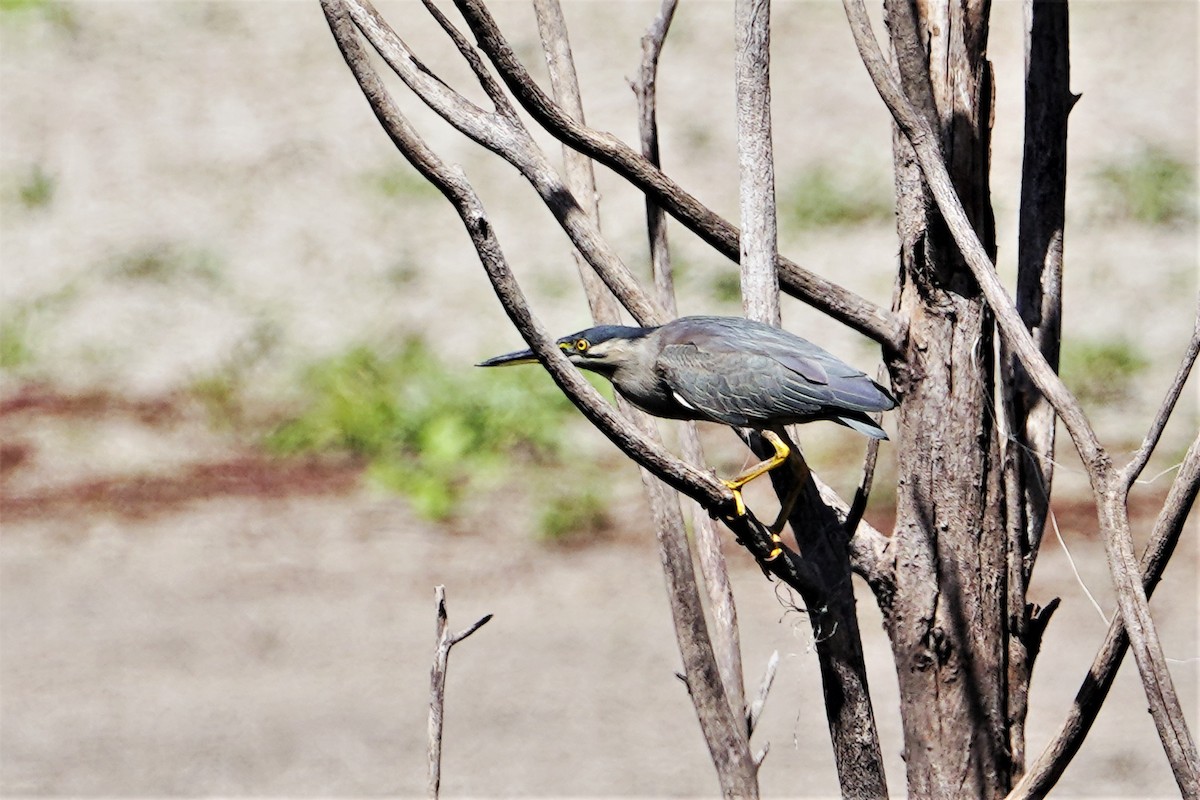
<point x="782" y="451"/>
<point x="785" y="510"/>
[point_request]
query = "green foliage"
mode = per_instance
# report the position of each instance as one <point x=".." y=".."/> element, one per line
<point x="1102" y="371"/>
<point x="14" y="341"/>
<point x="11" y="6"/>
<point x="1151" y="187"/>
<point x="37" y="188"/>
<point x="426" y="431"/>
<point x="58" y="13"/>
<point x="575" y="515"/>
<point x="23" y="322"/>
<point x="821" y="197"/>
<point x="727" y="287"/>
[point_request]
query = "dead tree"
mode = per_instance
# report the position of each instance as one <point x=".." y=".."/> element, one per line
<point x="974" y="472"/>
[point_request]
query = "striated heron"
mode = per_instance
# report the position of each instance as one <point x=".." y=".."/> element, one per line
<point x="729" y="370"/>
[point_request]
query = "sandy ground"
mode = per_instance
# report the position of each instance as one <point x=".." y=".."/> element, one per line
<point x="237" y="628"/>
<point x="178" y="616"/>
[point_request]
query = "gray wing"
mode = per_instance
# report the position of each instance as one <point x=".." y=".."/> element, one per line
<point x="757" y="375"/>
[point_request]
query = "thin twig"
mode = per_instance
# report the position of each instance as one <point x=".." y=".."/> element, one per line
<point x="437" y="684"/>
<point x="1138" y="463"/>
<point x="578" y="169"/>
<point x="754" y="712"/>
<point x="862" y="494"/>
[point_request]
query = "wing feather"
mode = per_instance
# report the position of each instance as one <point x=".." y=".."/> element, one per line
<point x="766" y="377"/>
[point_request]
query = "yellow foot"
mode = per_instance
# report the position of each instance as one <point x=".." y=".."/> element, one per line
<point x="782" y="452"/>
<point x="739" y="503"/>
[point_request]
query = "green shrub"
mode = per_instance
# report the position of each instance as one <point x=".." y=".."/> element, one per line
<point x="1151" y="187"/>
<point x="427" y="431"/>
<point x="59" y="14"/>
<point x="727" y="286"/>
<point x="1102" y="371"/>
<point x="819" y="197"/>
<point x="574" y="515"/>
<point x="37" y="188"/>
<point x="14" y="341"/>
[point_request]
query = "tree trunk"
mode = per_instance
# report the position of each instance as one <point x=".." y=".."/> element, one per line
<point x="948" y="620"/>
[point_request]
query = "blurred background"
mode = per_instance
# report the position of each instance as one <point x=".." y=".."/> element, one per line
<point x="241" y="437"/>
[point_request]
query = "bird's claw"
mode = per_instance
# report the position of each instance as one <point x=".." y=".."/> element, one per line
<point x="739" y="505"/>
<point x="740" y="511"/>
<point x="778" y="551"/>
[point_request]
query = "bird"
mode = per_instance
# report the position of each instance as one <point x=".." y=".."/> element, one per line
<point x="728" y="370"/>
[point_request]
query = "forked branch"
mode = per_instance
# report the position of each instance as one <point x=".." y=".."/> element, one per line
<point x="1138" y="463"/>
<point x="437" y="684"/>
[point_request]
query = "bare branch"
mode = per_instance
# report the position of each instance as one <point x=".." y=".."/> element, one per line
<point x="1048" y="101"/>
<point x="644" y="88"/>
<point x="756" y="161"/>
<point x="1134" y="468"/>
<point x="579" y="172"/>
<point x="437" y="685"/>
<point x="1048" y="768"/>
<point x="723" y="727"/>
<point x="754" y="712"/>
<point x="863" y="493"/>
<point x="839" y="649"/>
<point x="717" y="696"/>
<point x="870" y="549"/>
<point x="492" y="89"/>
<point x="726" y="637"/>
<point x="821" y="540"/>
<point x="863" y="316"/>
<point x="1110" y="499"/>
<point x="756" y="165"/>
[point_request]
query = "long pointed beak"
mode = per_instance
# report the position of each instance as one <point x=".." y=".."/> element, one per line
<point x="510" y="359"/>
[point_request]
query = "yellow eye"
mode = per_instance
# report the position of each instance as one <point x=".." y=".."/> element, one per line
<point x="581" y="345"/>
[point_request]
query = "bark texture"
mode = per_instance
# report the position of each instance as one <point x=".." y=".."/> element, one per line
<point x="947" y="617"/>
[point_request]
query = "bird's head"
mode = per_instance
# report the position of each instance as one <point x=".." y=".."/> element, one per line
<point x="603" y="349"/>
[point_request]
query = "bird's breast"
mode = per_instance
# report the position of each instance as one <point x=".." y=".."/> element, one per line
<point x="653" y="396"/>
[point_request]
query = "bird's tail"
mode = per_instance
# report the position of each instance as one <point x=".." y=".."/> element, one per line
<point x="863" y="424"/>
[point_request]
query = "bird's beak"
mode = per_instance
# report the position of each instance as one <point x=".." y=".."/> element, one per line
<point x="510" y="359"/>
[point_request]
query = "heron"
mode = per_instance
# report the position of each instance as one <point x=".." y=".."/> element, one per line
<point x="732" y="371"/>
